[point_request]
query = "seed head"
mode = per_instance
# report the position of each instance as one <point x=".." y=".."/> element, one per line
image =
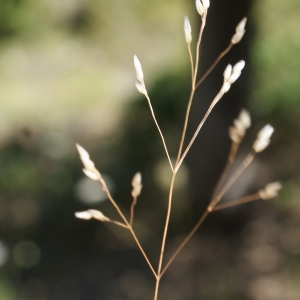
<point x="245" y="118"/>
<point x="140" y="88"/>
<point x="240" y="125"/>
<point x="136" y="184"/>
<point x="187" y="30"/>
<point x="241" y="26"/>
<point x="227" y="72"/>
<point x="240" y="31"/>
<point x="263" y="138"/>
<point x="225" y="87"/>
<point x="84" y="215"/>
<point x="85" y="158"/>
<point x="200" y="8"/>
<point x="90" y="174"/>
<point x="138" y="69"/>
<point x="270" y="190"/>
<point x="206" y="4"/>
<point x="98" y="215"/>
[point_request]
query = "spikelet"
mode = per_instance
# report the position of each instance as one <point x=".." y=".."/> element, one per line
<point x="92" y="213"/>
<point x="231" y="74"/>
<point x="137" y="185"/>
<point x="89" y="167"/>
<point x="263" y="138"/>
<point x="200" y="8"/>
<point x="240" y="125"/>
<point x="270" y="190"/>
<point x="187" y="30"/>
<point x="239" y="31"/>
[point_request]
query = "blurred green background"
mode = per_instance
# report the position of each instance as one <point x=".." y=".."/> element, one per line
<point x="66" y="76"/>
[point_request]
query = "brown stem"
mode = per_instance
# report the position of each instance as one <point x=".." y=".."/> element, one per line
<point x="230" y="160"/>
<point x="193" y="231"/>
<point x="132" y="210"/>
<point x="127" y="223"/>
<point x="118" y="223"/>
<point x="194" y="76"/>
<point x="166" y="225"/>
<point x="214" y="102"/>
<point x="245" y="199"/>
<point x="222" y="54"/>
<point x="159" y="130"/>
<point x="231" y="180"/>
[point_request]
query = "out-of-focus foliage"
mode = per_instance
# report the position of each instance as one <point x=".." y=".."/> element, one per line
<point x="276" y="58"/>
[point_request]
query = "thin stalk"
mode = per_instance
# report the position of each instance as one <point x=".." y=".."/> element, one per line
<point x="245" y="199"/>
<point x="127" y="223"/>
<point x="194" y="76"/>
<point x="118" y="223"/>
<point x="161" y="135"/>
<point x="231" y="180"/>
<point x="156" y="288"/>
<point x="230" y="160"/>
<point x="214" y="102"/>
<point x="193" y="231"/>
<point x="191" y="60"/>
<point x="198" y="49"/>
<point x="222" y="54"/>
<point x="134" y="201"/>
<point x="166" y="225"/>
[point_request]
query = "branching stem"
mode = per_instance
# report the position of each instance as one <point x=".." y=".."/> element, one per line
<point x="222" y="54"/>
<point x="106" y="190"/>
<point x="159" y="130"/>
<point x="245" y="199"/>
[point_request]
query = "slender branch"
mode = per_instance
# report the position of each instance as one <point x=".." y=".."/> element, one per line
<point x="193" y="231"/>
<point x="161" y="135"/>
<point x="134" y="201"/>
<point x="106" y="190"/>
<point x="230" y="160"/>
<point x="194" y="76"/>
<point x="222" y="54"/>
<point x="231" y="180"/>
<point x="214" y="102"/>
<point x="118" y="223"/>
<point x="191" y="60"/>
<point x="156" y="288"/>
<point x="198" y="49"/>
<point x="245" y="199"/>
<point x="166" y="226"/>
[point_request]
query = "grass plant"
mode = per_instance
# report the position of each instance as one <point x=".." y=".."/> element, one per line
<point x="236" y="133"/>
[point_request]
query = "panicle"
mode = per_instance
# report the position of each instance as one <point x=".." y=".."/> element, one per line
<point x="239" y="31"/>
<point x="137" y="185"/>
<point x="270" y="190"/>
<point x="263" y="138"/>
<point x="187" y="30"/>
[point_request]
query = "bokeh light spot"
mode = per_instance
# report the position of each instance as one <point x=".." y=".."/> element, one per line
<point x="26" y="254"/>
